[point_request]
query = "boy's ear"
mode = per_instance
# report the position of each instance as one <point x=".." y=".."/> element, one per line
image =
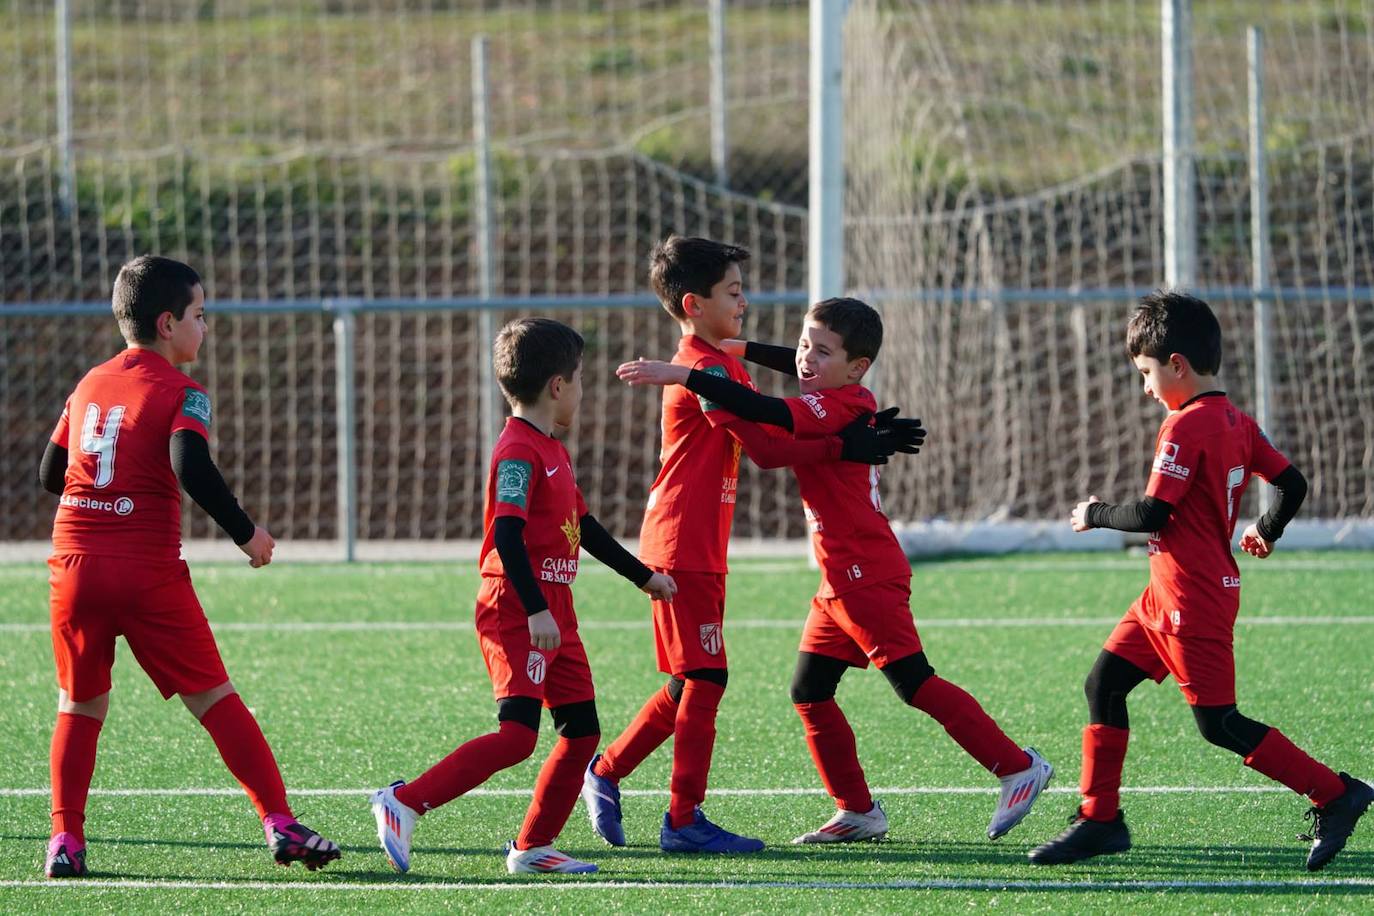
<point x="1178" y="363"/>
<point x="858" y="367"/>
<point x="555" y="386"/>
<point x="164" y="324"/>
<point x="690" y="307"/>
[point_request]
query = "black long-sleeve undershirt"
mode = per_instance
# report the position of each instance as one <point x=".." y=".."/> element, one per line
<point x="508" y="534"/>
<point x="202" y="481"/>
<point x="601" y="544"/>
<point x="52" y="468"/>
<point x="772" y="356"/>
<point x="1148" y="514"/>
<point x="1292" y="487"/>
<point x="743" y="402"/>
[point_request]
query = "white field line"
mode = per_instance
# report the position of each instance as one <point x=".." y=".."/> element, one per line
<point x="43" y="792"/>
<point x="991" y="623"/>
<point x="544" y="885"/>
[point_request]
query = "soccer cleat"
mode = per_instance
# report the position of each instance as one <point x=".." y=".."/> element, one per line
<point x="703" y="836"/>
<point x="850" y="827"/>
<point x="543" y="860"/>
<point x="1083" y="840"/>
<point x="395" y="824"/>
<point x="603" y="805"/>
<point x="66" y="857"/>
<point x="1333" y="824"/>
<point x="1019" y="792"/>
<point x="292" y="841"/>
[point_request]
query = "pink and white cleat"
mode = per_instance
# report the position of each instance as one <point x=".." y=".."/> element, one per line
<point x="1019" y="792"/>
<point x="543" y="860"/>
<point x="66" y="857"/>
<point x="850" y="827"/>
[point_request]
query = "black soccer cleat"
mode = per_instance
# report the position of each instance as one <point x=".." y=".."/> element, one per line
<point x="1333" y="824"/>
<point x="1083" y="840"/>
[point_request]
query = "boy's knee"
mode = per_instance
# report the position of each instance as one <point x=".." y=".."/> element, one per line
<point x="576" y="720"/>
<point x="717" y="676"/>
<point x="906" y="675"/>
<point x="816" y="677"/>
<point x="1227" y="728"/>
<point x="520" y="710"/>
<point x="675" y="686"/>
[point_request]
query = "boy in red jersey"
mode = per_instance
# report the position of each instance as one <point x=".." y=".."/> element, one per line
<point x="135" y="428"/>
<point x="534" y="522"/>
<point x="862" y="610"/>
<point x="1205" y="455"/>
<point x="686" y="533"/>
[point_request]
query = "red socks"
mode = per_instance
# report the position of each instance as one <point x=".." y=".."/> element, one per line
<point x="831" y="742"/>
<point x="72" y="763"/>
<point x="1104" y="753"/>
<point x="651" y="727"/>
<point x="970" y="726"/>
<point x="1283" y="761"/>
<point x="245" y="751"/>
<point x="556" y="791"/>
<point x="694" y="737"/>
<point x="469" y="766"/>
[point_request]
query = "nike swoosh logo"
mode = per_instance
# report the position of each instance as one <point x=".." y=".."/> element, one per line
<point x="549" y="472"/>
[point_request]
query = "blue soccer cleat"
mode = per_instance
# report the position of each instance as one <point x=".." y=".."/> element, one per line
<point x="603" y="805"/>
<point x="703" y="836"/>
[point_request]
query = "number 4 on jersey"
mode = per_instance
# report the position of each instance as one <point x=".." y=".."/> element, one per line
<point x="101" y="444"/>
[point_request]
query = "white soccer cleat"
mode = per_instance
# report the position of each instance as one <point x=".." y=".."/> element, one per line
<point x="543" y="860"/>
<point x="395" y="824"/>
<point x="1019" y="792"/>
<point x="850" y="827"/>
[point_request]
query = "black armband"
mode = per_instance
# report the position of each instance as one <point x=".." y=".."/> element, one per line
<point x="771" y="356"/>
<point x="52" y="468"/>
<point x="602" y="545"/>
<point x="1292" y="487"/>
<point x="508" y="534"/>
<point x="1149" y="514"/>
<point x="741" y="401"/>
<point x="202" y="481"/>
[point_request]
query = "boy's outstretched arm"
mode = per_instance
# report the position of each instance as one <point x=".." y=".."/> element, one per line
<point x="508" y="536"/>
<point x="601" y="544"/>
<point x="52" y="468"/>
<point x="739" y="400"/>
<point x="863" y="441"/>
<point x="770" y="356"/>
<point x="202" y="481"/>
<point x="1258" y="539"/>
<point x="1147" y="514"/>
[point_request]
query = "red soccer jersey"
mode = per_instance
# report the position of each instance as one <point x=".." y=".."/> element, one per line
<point x="686" y="527"/>
<point x="1205" y="455"/>
<point x="121" y="497"/>
<point x="854" y="543"/>
<point x="532" y="478"/>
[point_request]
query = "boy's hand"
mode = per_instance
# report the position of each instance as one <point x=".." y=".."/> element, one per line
<point x="1253" y="543"/>
<point x="1079" y="518"/>
<point x="660" y="587"/>
<point x="908" y="434"/>
<point x="734" y="347"/>
<point x="259" y="547"/>
<point x="544" y="631"/>
<point x="652" y="372"/>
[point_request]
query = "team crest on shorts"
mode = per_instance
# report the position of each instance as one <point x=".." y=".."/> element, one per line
<point x="536" y="668"/>
<point x="710" y="638"/>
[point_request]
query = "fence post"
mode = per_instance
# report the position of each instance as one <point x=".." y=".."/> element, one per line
<point x="1180" y="193"/>
<point x="66" y="189"/>
<point x="490" y="411"/>
<point x="720" y="150"/>
<point x="1259" y="242"/>
<point x="345" y="412"/>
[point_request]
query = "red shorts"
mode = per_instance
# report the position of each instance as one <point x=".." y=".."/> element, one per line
<point x="689" y="631"/>
<point x="1205" y="669"/>
<point x="517" y="669"/>
<point x="150" y="603"/>
<point x="872" y="623"/>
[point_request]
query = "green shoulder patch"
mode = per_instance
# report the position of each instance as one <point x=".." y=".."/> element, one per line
<point x="513" y="481"/>
<point x="712" y="370"/>
<point x="197" y="406"/>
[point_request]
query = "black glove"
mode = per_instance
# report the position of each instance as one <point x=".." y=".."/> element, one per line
<point x="863" y="443"/>
<point x="908" y="435"/>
